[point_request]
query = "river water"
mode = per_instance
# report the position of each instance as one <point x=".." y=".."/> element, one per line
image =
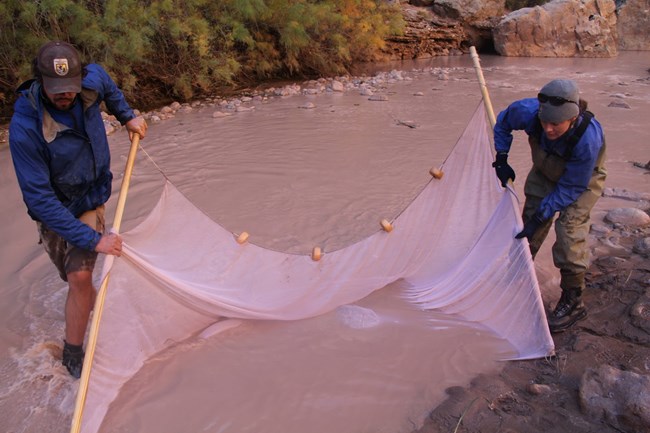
<point x="297" y="178"/>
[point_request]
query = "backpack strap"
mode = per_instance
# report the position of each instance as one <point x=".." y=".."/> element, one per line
<point x="578" y="133"/>
<point x="573" y="139"/>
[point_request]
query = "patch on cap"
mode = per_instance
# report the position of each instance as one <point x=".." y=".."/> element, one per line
<point x="61" y="67"/>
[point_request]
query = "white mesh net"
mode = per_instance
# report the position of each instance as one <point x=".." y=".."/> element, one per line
<point x="452" y="250"/>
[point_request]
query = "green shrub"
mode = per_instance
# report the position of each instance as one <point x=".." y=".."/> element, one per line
<point x="157" y="50"/>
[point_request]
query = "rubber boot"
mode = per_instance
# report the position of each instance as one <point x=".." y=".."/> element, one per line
<point x="73" y="359"/>
<point x="569" y="310"/>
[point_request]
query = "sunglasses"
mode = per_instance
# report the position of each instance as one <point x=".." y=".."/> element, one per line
<point x="555" y="101"/>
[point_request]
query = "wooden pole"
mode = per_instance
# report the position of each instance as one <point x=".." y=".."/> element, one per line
<point x="481" y="82"/>
<point x="484" y="92"/>
<point x="101" y="295"/>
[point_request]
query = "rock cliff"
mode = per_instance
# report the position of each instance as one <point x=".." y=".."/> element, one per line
<point x="561" y="28"/>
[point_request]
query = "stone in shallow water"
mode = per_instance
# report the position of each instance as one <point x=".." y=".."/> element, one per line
<point x="218" y="114"/>
<point x="628" y="216"/>
<point x="618" y="104"/>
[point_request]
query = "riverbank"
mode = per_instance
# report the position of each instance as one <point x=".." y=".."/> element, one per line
<point x="599" y="378"/>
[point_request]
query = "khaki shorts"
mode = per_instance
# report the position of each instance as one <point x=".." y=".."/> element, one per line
<point x="68" y="258"/>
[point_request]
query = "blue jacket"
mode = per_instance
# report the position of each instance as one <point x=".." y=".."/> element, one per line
<point x="63" y="173"/>
<point x="522" y="115"/>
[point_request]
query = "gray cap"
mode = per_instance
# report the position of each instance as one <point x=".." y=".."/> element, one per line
<point x="60" y="66"/>
<point x="558" y="101"/>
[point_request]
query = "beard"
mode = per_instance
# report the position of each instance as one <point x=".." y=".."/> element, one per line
<point x="63" y="102"/>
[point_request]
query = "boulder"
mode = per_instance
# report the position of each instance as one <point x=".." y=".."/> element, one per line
<point x="628" y="216"/>
<point x="626" y="194"/>
<point x="477" y="17"/>
<point x="620" y="398"/>
<point x="469" y="11"/>
<point x="633" y="25"/>
<point x="561" y="28"/>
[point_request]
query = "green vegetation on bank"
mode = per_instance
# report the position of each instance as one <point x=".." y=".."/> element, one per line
<point x="162" y="49"/>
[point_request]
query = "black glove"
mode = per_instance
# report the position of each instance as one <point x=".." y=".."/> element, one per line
<point x="504" y="171"/>
<point x="530" y="227"/>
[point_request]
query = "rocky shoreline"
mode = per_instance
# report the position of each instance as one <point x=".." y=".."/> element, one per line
<point x="598" y="380"/>
<point x="370" y="86"/>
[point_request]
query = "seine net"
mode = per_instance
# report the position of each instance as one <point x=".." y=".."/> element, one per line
<point x="451" y="250"/>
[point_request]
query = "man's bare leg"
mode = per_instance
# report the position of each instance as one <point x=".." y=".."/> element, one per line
<point x="78" y="305"/>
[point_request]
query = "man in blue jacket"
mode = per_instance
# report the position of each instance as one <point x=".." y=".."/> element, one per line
<point x="60" y="152"/>
<point x="567" y="178"/>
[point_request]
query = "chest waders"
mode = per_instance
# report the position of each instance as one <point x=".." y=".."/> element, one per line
<point x="570" y="251"/>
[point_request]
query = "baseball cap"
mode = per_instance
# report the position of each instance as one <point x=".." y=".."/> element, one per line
<point x="60" y="66"/>
<point x="558" y="101"/>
